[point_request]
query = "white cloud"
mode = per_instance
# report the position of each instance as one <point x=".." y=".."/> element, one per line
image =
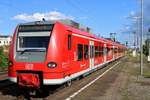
<point x="133" y="16"/>
<point x="125" y="29"/>
<point x="53" y="15"/>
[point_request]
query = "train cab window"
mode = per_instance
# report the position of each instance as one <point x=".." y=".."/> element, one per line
<point x="80" y="52"/>
<point x="86" y="51"/>
<point x="69" y="42"/>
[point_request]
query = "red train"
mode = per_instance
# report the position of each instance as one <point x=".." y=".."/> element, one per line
<point x="55" y="52"/>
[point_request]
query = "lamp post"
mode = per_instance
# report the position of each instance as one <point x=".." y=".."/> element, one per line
<point x="141" y="42"/>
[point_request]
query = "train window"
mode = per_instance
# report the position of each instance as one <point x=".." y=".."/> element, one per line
<point x="115" y="50"/>
<point x="101" y="49"/>
<point x="69" y="42"/>
<point x="105" y="50"/>
<point x="112" y="50"/>
<point x="86" y="51"/>
<point x="80" y="52"/>
<point x="96" y="51"/>
<point x="91" y="51"/>
<point x="108" y="50"/>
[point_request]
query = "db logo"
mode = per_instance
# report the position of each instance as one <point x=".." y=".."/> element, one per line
<point x="29" y="66"/>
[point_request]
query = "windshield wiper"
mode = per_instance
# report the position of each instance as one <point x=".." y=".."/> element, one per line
<point x="31" y="50"/>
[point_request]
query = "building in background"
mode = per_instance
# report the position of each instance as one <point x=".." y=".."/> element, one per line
<point x="5" y="40"/>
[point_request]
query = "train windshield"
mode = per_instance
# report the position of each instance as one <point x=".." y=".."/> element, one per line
<point x="33" y="38"/>
<point x="33" y="43"/>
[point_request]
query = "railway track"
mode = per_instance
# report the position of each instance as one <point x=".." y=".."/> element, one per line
<point x="3" y="76"/>
<point x="5" y="83"/>
<point x="3" y="72"/>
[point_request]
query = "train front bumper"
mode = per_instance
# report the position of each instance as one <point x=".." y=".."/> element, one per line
<point x="46" y="81"/>
<point x="47" y="78"/>
<point x="28" y="80"/>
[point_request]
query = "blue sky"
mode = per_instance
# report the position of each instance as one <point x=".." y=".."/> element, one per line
<point x="103" y="16"/>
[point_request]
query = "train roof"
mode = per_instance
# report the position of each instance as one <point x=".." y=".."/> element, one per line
<point x="66" y="22"/>
<point x="77" y="28"/>
<point x="38" y="23"/>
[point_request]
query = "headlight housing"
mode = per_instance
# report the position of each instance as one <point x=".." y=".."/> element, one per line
<point x="51" y="65"/>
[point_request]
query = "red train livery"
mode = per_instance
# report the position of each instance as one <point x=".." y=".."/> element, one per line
<point x="55" y="52"/>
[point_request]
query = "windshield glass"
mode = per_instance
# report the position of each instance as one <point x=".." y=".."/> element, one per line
<point x="33" y="43"/>
<point x="33" y="37"/>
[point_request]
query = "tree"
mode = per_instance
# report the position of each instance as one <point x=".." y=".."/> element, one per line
<point x="146" y="47"/>
<point x="3" y="59"/>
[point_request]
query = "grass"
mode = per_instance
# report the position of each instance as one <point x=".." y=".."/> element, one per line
<point x="146" y="73"/>
<point x="133" y="59"/>
<point x="136" y="60"/>
<point x="125" y="97"/>
<point x="143" y="83"/>
<point x="124" y="91"/>
<point x="133" y="70"/>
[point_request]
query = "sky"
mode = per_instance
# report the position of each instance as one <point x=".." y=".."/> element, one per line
<point x="102" y="16"/>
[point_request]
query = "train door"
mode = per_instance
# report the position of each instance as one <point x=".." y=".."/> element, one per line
<point x="113" y="52"/>
<point x="105" y="53"/>
<point x="91" y="48"/>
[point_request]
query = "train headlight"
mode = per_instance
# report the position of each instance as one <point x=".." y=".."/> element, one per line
<point x="10" y="63"/>
<point x="51" y="65"/>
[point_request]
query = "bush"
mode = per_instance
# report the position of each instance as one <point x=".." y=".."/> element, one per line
<point x="145" y="50"/>
<point x="3" y="59"/>
<point x="146" y="47"/>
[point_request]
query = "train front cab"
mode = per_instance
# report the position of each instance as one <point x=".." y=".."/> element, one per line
<point x="34" y="53"/>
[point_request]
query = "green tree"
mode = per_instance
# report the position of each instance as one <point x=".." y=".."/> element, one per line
<point x="145" y="47"/>
<point x="3" y="59"/>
